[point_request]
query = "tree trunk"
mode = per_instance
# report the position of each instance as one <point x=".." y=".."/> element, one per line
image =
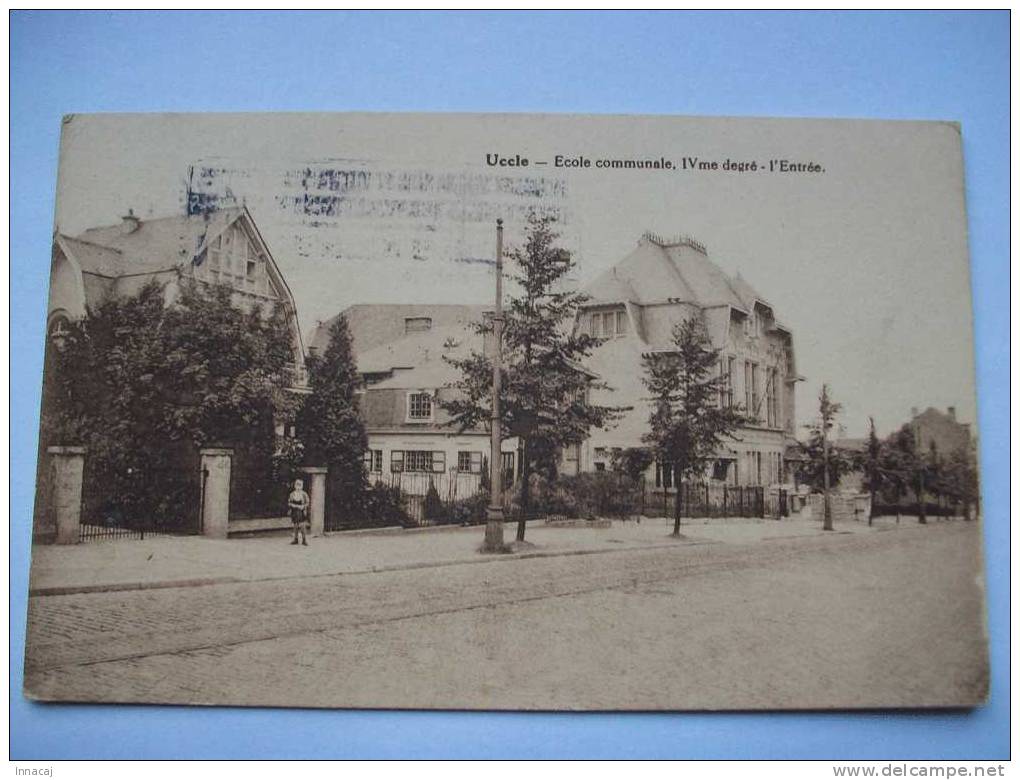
<point x="871" y="509"/>
<point x="522" y="521"/>
<point x="677" y="504"/>
<point x="922" y="518"/>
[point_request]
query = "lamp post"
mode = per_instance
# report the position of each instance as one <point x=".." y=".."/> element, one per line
<point x="494" y="517"/>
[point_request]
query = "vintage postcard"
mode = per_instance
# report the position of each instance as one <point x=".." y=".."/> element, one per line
<point x="539" y="412"/>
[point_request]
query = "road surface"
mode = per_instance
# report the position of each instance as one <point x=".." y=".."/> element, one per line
<point x="841" y="620"/>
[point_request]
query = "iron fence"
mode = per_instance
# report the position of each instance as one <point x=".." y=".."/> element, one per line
<point x="140" y="501"/>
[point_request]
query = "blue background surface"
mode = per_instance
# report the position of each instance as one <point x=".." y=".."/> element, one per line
<point x="856" y="64"/>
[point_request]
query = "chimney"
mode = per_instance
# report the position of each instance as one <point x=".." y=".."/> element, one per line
<point x="913" y="412"/>
<point x="951" y="410"/>
<point x="130" y="222"/>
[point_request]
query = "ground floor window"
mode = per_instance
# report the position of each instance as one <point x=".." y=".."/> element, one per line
<point x="469" y="462"/>
<point x="373" y="461"/>
<point x="663" y="474"/>
<point x="432" y="461"/>
<point x="508" y="468"/>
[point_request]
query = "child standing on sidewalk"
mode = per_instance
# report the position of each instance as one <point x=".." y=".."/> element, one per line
<point x="297" y="503"/>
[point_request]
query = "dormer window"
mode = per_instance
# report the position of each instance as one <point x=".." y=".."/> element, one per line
<point x="417" y="324"/>
<point x="608" y="324"/>
<point x="419" y="407"/>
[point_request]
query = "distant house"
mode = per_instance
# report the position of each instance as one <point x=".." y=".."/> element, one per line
<point x="634" y="305"/>
<point x="942" y="428"/>
<point x="223" y="247"/>
<point x="400" y="351"/>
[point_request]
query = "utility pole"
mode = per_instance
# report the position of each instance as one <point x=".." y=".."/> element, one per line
<point x="494" y="518"/>
<point x="827" y="505"/>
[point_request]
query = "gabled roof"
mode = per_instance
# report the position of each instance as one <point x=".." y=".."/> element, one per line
<point x="374" y="324"/>
<point x="417" y="359"/>
<point x="155" y="245"/>
<point x="747" y="294"/>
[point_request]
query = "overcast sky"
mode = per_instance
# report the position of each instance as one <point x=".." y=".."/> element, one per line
<point x="865" y="262"/>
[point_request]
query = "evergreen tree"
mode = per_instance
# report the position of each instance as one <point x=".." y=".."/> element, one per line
<point x="688" y="425"/>
<point x="330" y="424"/>
<point x="545" y="390"/>
<point x="874" y="477"/>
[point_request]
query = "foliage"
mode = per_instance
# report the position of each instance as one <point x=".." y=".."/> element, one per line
<point x="633" y="461"/>
<point x="467" y="511"/>
<point x="381" y="506"/>
<point x="545" y="392"/>
<point x="962" y="479"/>
<point x="590" y="494"/>
<point x="136" y="380"/>
<point x="330" y="424"/>
<point x="841" y="462"/>
<point x="433" y="509"/>
<point x="687" y="424"/>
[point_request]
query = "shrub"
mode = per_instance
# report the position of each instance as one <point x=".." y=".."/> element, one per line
<point x="586" y="495"/>
<point x="468" y="511"/>
<point x="433" y="509"/>
<point x="383" y="507"/>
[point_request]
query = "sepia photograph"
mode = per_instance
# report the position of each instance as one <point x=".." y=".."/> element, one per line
<point x="508" y="412"/>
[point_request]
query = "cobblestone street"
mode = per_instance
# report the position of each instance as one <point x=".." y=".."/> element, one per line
<point x="877" y="619"/>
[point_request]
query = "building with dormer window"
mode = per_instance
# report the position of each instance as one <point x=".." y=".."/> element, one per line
<point x="633" y="307"/>
<point x="401" y="353"/>
<point x="221" y="247"/>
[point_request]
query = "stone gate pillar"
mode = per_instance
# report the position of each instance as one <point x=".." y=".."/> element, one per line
<point x="68" y="466"/>
<point x="215" y="491"/>
<point x="315" y="481"/>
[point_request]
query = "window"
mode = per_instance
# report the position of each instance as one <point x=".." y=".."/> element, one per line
<point x="720" y="469"/>
<point x="726" y="381"/>
<point x="469" y="462"/>
<point x="419" y="406"/>
<point x="663" y="474"/>
<point x="417" y="324"/>
<point x="417" y="460"/>
<point x="747" y="389"/>
<point x="373" y="461"/>
<point x="730" y="368"/>
<point x="608" y="324"/>
<point x="771" y="407"/>
<point x="251" y="268"/>
<point x="433" y="461"/>
<point x="754" y="390"/>
<point x="507" y="461"/>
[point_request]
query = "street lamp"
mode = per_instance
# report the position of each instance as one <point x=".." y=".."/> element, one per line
<point x="494" y="516"/>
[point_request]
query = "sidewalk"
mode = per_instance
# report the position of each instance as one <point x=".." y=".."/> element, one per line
<point x="161" y="562"/>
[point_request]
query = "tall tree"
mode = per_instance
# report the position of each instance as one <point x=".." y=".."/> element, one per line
<point x="545" y="391"/>
<point x="961" y="478"/>
<point x="330" y="424"/>
<point x="687" y="422"/>
<point x="875" y="479"/>
<point x="910" y="464"/>
<point x="825" y="464"/>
